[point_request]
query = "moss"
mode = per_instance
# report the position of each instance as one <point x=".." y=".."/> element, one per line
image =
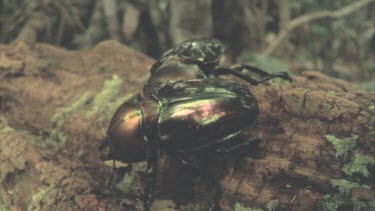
<point x="107" y="100"/>
<point x="143" y="78"/>
<point x="105" y="69"/>
<point x="332" y="93"/>
<point x="57" y="135"/>
<point x="240" y="207"/>
<point x="129" y="184"/>
<point x="345" y="186"/>
<point x="4" y="208"/>
<point x="342" y="146"/>
<point x="58" y="119"/>
<point x="359" y="165"/>
<point x="332" y="202"/>
<point x="189" y="207"/>
<point x="272" y="205"/>
<point x="36" y="139"/>
<point x="111" y="88"/>
<point x="38" y="197"/>
<point x="361" y="205"/>
<point x="343" y="200"/>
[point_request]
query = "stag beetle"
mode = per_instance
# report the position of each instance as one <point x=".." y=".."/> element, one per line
<point x="184" y="107"/>
<point x="199" y="58"/>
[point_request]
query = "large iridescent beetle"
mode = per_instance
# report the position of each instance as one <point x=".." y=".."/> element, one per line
<point x="184" y="107"/>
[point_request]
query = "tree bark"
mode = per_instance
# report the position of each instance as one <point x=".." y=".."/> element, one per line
<point x="50" y="133"/>
<point x="184" y="24"/>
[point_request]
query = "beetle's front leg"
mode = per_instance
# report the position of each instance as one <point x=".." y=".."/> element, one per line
<point x="151" y="173"/>
<point x="264" y="75"/>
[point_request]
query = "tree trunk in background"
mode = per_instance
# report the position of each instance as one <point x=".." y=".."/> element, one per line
<point x="190" y="19"/>
<point x="110" y="8"/>
<point x="160" y="14"/>
<point x="284" y="14"/>
<point x="263" y="22"/>
<point x="238" y="24"/>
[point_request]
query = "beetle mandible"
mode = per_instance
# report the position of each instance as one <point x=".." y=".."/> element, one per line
<point x="184" y="107"/>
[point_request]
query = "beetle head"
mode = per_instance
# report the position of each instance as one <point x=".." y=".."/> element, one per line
<point x="206" y="51"/>
<point x="125" y="135"/>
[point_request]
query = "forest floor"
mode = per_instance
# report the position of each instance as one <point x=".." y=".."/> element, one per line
<point x="55" y="105"/>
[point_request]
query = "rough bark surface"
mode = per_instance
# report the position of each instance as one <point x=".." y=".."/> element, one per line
<point x="47" y="164"/>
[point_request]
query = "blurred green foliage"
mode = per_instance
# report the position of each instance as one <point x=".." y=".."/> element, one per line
<point x="189" y="207"/>
<point x="267" y="63"/>
<point x="37" y="199"/>
<point x="240" y="207"/>
<point x="272" y="205"/>
<point x="368" y="85"/>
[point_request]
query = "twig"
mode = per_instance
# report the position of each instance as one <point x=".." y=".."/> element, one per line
<point x="293" y="24"/>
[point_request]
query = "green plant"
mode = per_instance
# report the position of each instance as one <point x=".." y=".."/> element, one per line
<point x="38" y="197"/>
<point x="240" y="207"/>
<point x="368" y="85"/>
<point x="359" y="165"/>
<point x="342" y="146"/>
<point x="129" y="184"/>
<point x="332" y="202"/>
<point x="332" y="93"/>
<point x="105" y="69"/>
<point x="342" y="199"/>
<point x="57" y="120"/>
<point x="189" y="207"/>
<point x="111" y="88"/>
<point x="4" y="208"/>
<point x="272" y="205"/>
<point x="106" y="101"/>
<point x="345" y="186"/>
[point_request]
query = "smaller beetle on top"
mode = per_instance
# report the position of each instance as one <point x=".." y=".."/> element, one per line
<point x="199" y="58"/>
<point x="184" y="107"/>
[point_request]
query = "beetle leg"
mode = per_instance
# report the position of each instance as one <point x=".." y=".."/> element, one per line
<point x="104" y="143"/>
<point x="215" y="203"/>
<point x="264" y="76"/>
<point x="256" y="70"/>
<point x="263" y="73"/>
<point x="151" y="173"/>
<point x="155" y="66"/>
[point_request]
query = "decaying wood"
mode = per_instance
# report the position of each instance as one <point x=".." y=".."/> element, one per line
<point x="57" y="161"/>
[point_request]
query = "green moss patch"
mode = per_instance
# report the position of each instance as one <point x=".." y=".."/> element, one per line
<point x="359" y="165"/>
<point x="342" y="146"/>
